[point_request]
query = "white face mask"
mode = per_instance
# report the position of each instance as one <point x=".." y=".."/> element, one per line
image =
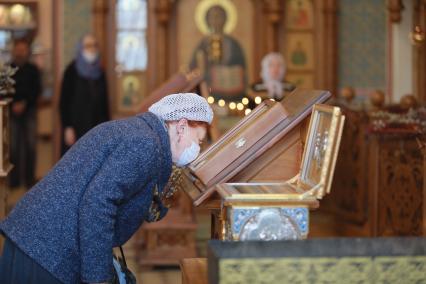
<point x="188" y="155"/>
<point x="89" y="56"/>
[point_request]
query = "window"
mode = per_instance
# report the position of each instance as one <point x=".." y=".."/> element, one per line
<point x="131" y="45"/>
<point x="131" y="54"/>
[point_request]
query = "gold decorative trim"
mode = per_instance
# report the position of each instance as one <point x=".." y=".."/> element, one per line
<point x="387" y="269"/>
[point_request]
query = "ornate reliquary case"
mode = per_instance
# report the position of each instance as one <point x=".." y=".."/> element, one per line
<point x="270" y="137"/>
<point x="276" y="211"/>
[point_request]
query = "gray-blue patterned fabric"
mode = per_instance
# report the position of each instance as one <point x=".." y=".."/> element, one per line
<point x="94" y="199"/>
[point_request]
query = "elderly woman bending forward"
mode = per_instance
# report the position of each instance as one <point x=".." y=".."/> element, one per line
<point x="97" y="196"/>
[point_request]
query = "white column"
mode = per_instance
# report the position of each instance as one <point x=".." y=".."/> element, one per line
<point x="402" y="54"/>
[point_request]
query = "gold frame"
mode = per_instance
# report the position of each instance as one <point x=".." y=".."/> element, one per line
<point x="330" y="155"/>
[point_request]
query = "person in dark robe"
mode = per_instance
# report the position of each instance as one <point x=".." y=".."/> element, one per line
<point x="84" y="99"/>
<point x="23" y="116"/>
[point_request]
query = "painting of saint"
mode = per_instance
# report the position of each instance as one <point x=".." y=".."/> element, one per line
<point x="130" y="97"/>
<point x="219" y="56"/>
<point x="298" y="56"/>
<point x="20" y="15"/>
<point x="300" y="51"/>
<point x="299" y="14"/>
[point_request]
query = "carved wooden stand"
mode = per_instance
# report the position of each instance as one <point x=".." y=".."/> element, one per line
<point x="379" y="187"/>
<point x="171" y="239"/>
<point x="5" y="166"/>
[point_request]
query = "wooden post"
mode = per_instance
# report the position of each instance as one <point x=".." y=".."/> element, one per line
<point x="419" y="54"/>
<point x="273" y="10"/>
<point x="424" y="192"/>
<point x="163" y="14"/>
<point x="100" y="11"/>
<point x="327" y="61"/>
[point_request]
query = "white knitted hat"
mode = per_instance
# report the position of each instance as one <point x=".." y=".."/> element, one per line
<point x="183" y="105"/>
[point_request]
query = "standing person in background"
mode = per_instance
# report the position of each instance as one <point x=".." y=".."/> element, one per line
<point x="272" y="74"/>
<point x="84" y="100"/>
<point x="23" y="115"/>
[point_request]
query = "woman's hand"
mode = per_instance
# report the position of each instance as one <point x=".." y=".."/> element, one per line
<point x="69" y="136"/>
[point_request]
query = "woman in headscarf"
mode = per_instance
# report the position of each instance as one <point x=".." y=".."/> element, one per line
<point x="97" y="196"/>
<point x="84" y="101"/>
<point x="272" y="74"/>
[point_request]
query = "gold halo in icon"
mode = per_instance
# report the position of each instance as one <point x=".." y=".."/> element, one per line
<point x="205" y="5"/>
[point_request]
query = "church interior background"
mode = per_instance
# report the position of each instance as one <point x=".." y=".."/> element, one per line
<point x="370" y="54"/>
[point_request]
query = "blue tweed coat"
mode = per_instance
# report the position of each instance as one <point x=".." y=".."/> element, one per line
<point x="95" y="198"/>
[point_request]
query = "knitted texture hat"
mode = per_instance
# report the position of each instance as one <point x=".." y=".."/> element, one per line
<point x="183" y="105"/>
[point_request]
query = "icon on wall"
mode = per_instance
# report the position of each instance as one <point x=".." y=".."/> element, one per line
<point x="16" y="15"/>
<point x="300" y="14"/>
<point x="219" y="56"/>
<point x="131" y="90"/>
<point x="300" y="51"/>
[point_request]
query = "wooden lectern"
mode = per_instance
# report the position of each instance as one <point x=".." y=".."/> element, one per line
<point x="265" y="146"/>
<point x="179" y="83"/>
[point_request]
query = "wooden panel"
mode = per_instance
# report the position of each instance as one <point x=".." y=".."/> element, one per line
<point x="3" y="197"/>
<point x="4" y="137"/>
<point x="400" y="191"/>
<point x="254" y="132"/>
<point x="167" y="241"/>
<point x="349" y="195"/>
<point x="379" y="187"/>
<point x="5" y="165"/>
<point x="194" y="270"/>
<point x="280" y="162"/>
<point x="179" y="82"/>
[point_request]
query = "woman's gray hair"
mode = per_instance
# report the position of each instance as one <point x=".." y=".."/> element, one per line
<point x="264" y="73"/>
